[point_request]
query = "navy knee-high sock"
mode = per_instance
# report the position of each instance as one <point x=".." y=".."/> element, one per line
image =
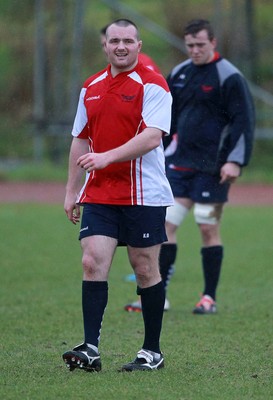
<point x="152" y="300"/>
<point x="167" y="258"/>
<point x="94" y="301"/>
<point x="212" y="258"/>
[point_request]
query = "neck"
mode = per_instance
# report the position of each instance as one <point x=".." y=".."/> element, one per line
<point x="118" y="70"/>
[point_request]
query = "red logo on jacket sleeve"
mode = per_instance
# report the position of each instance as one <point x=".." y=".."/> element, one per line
<point x="207" y="88"/>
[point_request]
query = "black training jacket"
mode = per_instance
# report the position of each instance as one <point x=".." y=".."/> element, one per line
<point x="213" y="114"/>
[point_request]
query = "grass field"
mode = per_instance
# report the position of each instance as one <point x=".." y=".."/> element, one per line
<point x="226" y="356"/>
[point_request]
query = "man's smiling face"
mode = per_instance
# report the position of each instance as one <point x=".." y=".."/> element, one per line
<point x="122" y="47"/>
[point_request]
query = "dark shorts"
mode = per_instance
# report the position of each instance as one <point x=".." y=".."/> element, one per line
<point x="198" y="186"/>
<point x="136" y="226"/>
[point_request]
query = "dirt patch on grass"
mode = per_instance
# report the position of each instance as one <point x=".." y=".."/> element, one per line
<point x="53" y="193"/>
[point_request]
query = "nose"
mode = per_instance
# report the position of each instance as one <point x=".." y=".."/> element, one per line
<point x="195" y="49"/>
<point x="121" y="44"/>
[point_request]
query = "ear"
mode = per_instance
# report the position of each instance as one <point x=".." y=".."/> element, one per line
<point x="139" y="46"/>
<point x="105" y="48"/>
<point x="214" y="43"/>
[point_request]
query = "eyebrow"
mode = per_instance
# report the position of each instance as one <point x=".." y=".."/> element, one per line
<point x="112" y="39"/>
<point x="199" y="44"/>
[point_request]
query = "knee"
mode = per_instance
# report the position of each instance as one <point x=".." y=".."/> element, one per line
<point x="145" y="270"/>
<point x="145" y="262"/>
<point x="88" y="264"/>
<point x="140" y="266"/>
<point x="208" y="214"/>
<point x="175" y="215"/>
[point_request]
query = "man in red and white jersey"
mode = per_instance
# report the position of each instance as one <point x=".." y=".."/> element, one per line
<point x="123" y="112"/>
<point x="148" y="62"/>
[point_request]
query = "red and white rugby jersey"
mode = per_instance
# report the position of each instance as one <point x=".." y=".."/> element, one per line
<point x="110" y="112"/>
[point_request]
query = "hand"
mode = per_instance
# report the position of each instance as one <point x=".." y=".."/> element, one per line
<point x="230" y="172"/>
<point x="93" y="161"/>
<point x="72" y="209"/>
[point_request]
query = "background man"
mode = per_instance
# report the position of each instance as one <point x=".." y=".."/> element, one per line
<point x="212" y="128"/>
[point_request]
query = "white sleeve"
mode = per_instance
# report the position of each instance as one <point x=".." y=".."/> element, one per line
<point x="80" y="120"/>
<point x="157" y="107"/>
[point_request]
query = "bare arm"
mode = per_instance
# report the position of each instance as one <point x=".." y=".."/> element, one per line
<point x="75" y="175"/>
<point x="136" y="147"/>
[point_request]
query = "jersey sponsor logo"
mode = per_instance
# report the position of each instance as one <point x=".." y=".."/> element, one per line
<point x="206" y="88"/>
<point x="180" y="81"/>
<point x="127" y="98"/>
<point x="93" y="98"/>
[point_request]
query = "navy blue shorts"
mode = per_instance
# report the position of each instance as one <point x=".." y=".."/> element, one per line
<point x="136" y="226"/>
<point x="198" y="186"/>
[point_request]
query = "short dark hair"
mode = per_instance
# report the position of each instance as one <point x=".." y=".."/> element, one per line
<point x="196" y="25"/>
<point x="121" y="22"/>
<point x="104" y="29"/>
